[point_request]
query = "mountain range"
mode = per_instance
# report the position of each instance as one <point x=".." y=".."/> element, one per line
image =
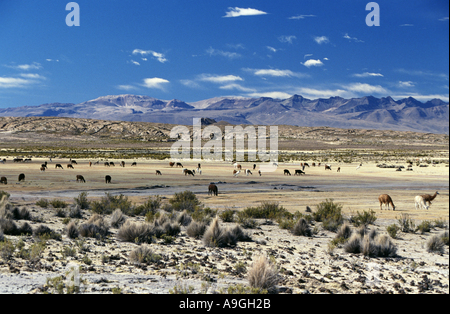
<point x="367" y="112"/>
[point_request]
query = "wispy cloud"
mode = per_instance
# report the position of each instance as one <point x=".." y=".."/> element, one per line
<point x="366" y="89"/>
<point x="407" y="25"/>
<point x="347" y="36"/>
<point x="134" y="62"/>
<point x="219" y="79"/>
<point x="156" y="55"/>
<point x="406" y="84"/>
<point x="26" y="67"/>
<point x="271" y="49"/>
<point x="155" y="82"/>
<point x="301" y="17"/>
<point x="275" y="73"/>
<point x="237" y="87"/>
<point x="312" y="63"/>
<point x="216" y="52"/>
<point x="321" y="40"/>
<point x="368" y="74"/>
<point x="287" y="39"/>
<point x="444" y="19"/>
<point x="26" y="80"/>
<point x="126" y="87"/>
<point x="236" y="12"/>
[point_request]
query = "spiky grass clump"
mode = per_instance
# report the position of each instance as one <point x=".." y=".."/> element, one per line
<point x="435" y="245"/>
<point x="117" y="218"/>
<point x="301" y="228"/>
<point x="136" y="232"/>
<point x="196" y="229"/>
<point x="72" y="230"/>
<point x="263" y="274"/>
<point x="215" y="235"/>
<point x="144" y="255"/>
<point x="370" y="245"/>
<point x="96" y="227"/>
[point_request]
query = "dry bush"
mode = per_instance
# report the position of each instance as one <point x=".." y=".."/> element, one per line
<point x="144" y="255"/>
<point x="377" y="246"/>
<point x="215" y="236"/>
<point x="184" y="218"/>
<point x="136" y="232"/>
<point x="345" y="231"/>
<point x="263" y="274"/>
<point x="353" y="244"/>
<point x="301" y="228"/>
<point x="435" y="245"/>
<point x="196" y="229"/>
<point x="96" y="227"/>
<point x="72" y="230"/>
<point x="117" y="218"/>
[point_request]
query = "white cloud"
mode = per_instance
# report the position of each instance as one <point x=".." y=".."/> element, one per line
<point x="301" y="17"/>
<point x="444" y="19"/>
<point x="126" y="87"/>
<point x="279" y="95"/>
<point x="312" y="62"/>
<point x="366" y="88"/>
<point x="321" y="40"/>
<point x="237" y="87"/>
<point x="135" y="62"/>
<point x="190" y="83"/>
<point x="271" y="49"/>
<point x="406" y="84"/>
<point x="26" y="67"/>
<point x="367" y="74"/>
<point x="347" y="36"/>
<point x="219" y="79"/>
<point x="287" y="39"/>
<point x="407" y="25"/>
<point x="235" y="12"/>
<point x="156" y="55"/>
<point x="215" y="52"/>
<point x="32" y="76"/>
<point x="12" y="82"/>
<point x="155" y="82"/>
<point x="275" y="73"/>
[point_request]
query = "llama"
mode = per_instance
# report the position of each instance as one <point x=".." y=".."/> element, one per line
<point x="90" y="164"/>
<point x="287" y="172"/>
<point x="213" y="190"/>
<point x="122" y="164"/>
<point x="112" y="164"/>
<point x="171" y="164"/>
<point x="21" y="177"/>
<point x="236" y="173"/>
<point x="254" y="166"/>
<point x="386" y="200"/>
<point x="158" y="173"/>
<point x="134" y="164"/>
<point x="42" y="169"/>
<point x="80" y="178"/>
<point x="74" y="162"/>
<point x="3" y="180"/>
<point x="179" y="164"/>
<point x="259" y="172"/>
<point x="247" y="172"/>
<point x="339" y="169"/>
<point x="299" y="172"/>
<point x="57" y="166"/>
<point x="189" y="172"/>
<point x="420" y="202"/>
<point x="327" y="167"/>
<point x="107" y="164"/>
<point x="69" y="166"/>
<point x="428" y="198"/>
<point x="108" y="179"/>
<point x="199" y="170"/>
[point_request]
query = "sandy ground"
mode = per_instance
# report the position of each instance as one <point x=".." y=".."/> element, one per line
<point x="307" y="266"/>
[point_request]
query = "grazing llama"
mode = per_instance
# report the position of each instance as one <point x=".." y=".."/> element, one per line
<point x="3" y="180"/>
<point x="158" y="173"/>
<point x="386" y="200"/>
<point x="171" y="164"/>
<point x="327" y="167"/>
<point x="213" y="190"/>
<point x="21" y="177"/>
<point x="247" y="172"/>
<point x="428" y="198"/>
<point x="80" y="178"/>
<point x="420" y="203"/>
<point x="287" y="172"/>
<point x="58" y="166"/>
<point x="107" y="179"/>
<point x="299" y="172"/>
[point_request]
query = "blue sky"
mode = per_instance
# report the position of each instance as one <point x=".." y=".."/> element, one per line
<point x="196" y="49"/>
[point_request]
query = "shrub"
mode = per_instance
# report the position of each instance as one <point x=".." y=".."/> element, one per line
<point x="227" y="215"/>
<point x="144" y="255"/>
<point x="75" y="212"/>
<point x="435" y="245"/>
<point x="215" y="236"/>
<point x="353" y="245"/>
<point x="6" y="249"/>
<point x="109" y="203"/>
<point x="444" y="237"/>
<point x="365" y="218"/>
<point x="236" y="234"/>
<point x="425" y="226"/>
<point x="117" y="218"/>
<point x="379" y="246"/>
<point x="263" y="274"/>
<point x="21" y="213"/>
<point x="267" y="210"/>
<point x="385" y="247"/>
<point x="43" y="203"/>
<point x="8" y="226"/>
<point x="392" y="230"/>
<point x="150" y="206"/>
<point x="72" y="230"/>
<point x="344" y="232"/>
<point x="406" y="224"/>
<point x="196" y="229"/>
<point x="58" y="203"/>
<point x="330" y="214"/>
<point x="301" y="228"/>
<point x="94" y="228"/>
<point x="136" y="232"/>
<point x="82" y="201"/>
<point x="46" y="232"/>
<point x="186" y="200"/>
<point x="184" y="218"/>
<point x="245" y="221"/>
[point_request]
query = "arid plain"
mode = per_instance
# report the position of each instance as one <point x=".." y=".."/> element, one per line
<point x="307" y="264"/>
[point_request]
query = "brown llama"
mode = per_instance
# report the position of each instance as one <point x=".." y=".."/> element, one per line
<point x="3" y="180"/>
<point x="188" y="172"/>
<point x="213" y="190"/>
<point x="90" y="164"/>
<point x="339" y="169"/>
<point x="21" y="177"/>
<point x="158" y="173"/>
<point x="428" y="198"/>
<point x="42" y="169"/>
<point x="171" y="164"/>
<point x="327" y="167"/>
<point x="107" y="179"/>
<point x="80" y="178"/>
<point x="387" y="200"/>
<point x="69" y="166"/>
<point x="122" y="163"/>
